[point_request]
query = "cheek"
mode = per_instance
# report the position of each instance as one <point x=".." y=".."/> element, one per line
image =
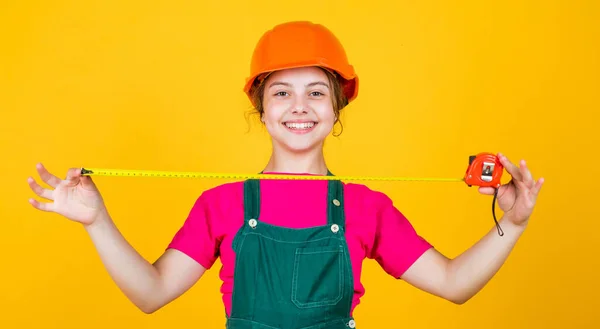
<point x="271" y="119"/>
<point x="273" y="113"/>
<point x="326" y="113"/>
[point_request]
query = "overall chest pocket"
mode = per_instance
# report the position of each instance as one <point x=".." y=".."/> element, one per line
<point x="318" y="276"/>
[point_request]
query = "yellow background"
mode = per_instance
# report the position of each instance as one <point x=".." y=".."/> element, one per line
<point x="157" y="85"/>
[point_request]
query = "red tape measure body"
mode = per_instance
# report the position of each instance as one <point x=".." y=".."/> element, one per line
<point x="484" y="170"/>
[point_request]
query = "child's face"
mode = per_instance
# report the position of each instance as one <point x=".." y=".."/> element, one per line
<point x="298" y="108"/>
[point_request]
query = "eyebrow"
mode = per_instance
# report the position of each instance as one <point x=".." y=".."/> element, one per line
<point x="289" y="85"/>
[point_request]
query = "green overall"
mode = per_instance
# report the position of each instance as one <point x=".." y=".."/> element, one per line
<point x="292" y="278"/>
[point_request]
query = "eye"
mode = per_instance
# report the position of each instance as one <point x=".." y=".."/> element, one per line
<point x="317" y="93"/>
<point x="281" y="93"/>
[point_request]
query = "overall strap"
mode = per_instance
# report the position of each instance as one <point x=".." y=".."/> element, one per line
<point x="251" y="199"/>
<point x="335" y="202"/>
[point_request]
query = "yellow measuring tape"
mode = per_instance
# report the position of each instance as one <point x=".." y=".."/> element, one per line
<point x="191" y="174"/>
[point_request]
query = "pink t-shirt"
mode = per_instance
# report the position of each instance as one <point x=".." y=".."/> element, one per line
<point x="375" y="228"/>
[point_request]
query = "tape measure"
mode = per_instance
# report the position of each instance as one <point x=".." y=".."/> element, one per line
<point x="184" y="174"/>
<point x="484" y="170"/>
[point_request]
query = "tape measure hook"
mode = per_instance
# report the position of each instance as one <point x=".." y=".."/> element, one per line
<point x="86" y="171"/>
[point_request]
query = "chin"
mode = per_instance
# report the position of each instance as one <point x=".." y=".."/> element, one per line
<point x="299" y="145"/>
<point x="303" y="148"/>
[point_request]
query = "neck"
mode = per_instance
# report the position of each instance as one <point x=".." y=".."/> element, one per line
<point x="287" y="161"/>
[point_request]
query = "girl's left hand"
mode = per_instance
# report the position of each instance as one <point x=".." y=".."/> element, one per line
<point x="517" y="198"/>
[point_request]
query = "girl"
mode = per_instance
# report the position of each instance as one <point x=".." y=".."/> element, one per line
<point x="292" y="250"/>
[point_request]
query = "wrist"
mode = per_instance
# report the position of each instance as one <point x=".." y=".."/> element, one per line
<point x="100" y="220"/>
<point x="510" y="225"/>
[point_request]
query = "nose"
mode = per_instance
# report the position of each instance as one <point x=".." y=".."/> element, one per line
<point x="299" y="110"/>
<point x="299" y="106"/>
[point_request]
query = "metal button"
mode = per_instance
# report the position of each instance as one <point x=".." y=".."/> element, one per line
<point x="351" y="324"/>
<point x="336" y="202"/>
<point x="252" y="223"/>
<point x="335" y="228"/>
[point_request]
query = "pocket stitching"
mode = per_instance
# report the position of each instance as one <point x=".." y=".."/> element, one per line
<point x="317" y="250"/>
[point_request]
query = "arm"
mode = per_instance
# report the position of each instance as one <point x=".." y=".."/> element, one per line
<point x="459" y="279"/>
<point x="148" y="286"/>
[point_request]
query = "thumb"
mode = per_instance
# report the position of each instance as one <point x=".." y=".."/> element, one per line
<point x="86" y="181"/>
<point x="73" y="176"/>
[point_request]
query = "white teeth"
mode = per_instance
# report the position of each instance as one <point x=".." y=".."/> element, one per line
<point x="304" y="125"/>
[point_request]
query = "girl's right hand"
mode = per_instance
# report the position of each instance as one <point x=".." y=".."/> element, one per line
<point x="75" y="197"/>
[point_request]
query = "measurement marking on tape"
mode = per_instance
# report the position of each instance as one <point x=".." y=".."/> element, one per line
<point x="191" y="174"/>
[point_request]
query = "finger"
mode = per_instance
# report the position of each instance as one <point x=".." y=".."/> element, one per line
<point x="86" y="181"/>
<point x="512" y="169"/>
<point x="47" y="177"/>
<point x="487" y="190"/>
<point x="538" y="186"/>
<point x="73" y="176"/>
<point x="505" y="187"/>
<point x="43" y="206"/>
<point x="38" y="190"/>
<point x="526" y="174"/>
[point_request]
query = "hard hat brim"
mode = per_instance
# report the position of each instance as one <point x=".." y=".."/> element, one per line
<point x="349" y="83"/>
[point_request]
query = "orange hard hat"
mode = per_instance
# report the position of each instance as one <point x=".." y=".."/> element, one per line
<point x="301" y="44"/>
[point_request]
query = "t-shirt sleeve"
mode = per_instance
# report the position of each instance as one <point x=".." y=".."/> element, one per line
<point x="198" y="237"/>
<point x="396" y="245"/>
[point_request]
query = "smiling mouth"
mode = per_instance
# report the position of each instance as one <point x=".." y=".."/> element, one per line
<point x="300" y="126"/>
